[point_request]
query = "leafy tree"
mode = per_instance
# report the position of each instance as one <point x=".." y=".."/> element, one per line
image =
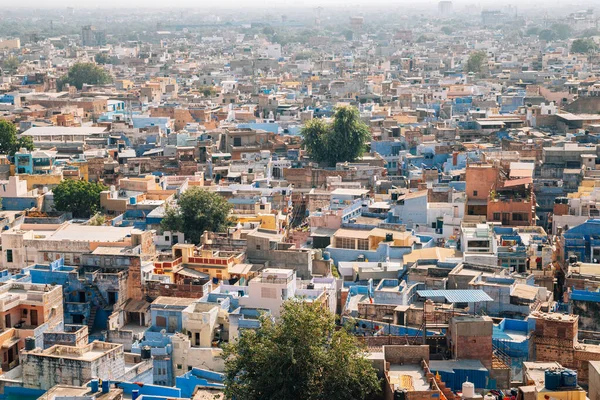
<point x="11" y="64"/>
<point x="533" y="31"/>
<point x="476" y="62"/>
<point x="583" y="46"/>
<point x="563" y="31"/>
<point x="447" y="30"/>
<point x="301" y="356"/>
<point x="207" y="91"/>
<point x="102" y="58"/>
<point x="97" y="219"/>
<point x="268" y="30"/>
<point x="9" y="142"/>
<point x="82" y="73"/>
<point x="342" y="140"/>
<point x="198" y="210"/>
<point x="589" y="33"/>
<point x="81" y="198"/>
<point x="547" y="35"/>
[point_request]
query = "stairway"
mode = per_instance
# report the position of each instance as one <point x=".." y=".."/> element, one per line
<point x="500" y="360"/>
<point x="91" y="319"/>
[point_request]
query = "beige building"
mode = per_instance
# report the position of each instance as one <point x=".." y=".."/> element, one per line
<point x="28" y="244"/>
<point x="69" y="365"/>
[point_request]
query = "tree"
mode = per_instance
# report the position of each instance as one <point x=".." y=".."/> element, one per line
<point x="10" y="143"/>
<point x="589" y="32"/>
<point x="198" y="210"/>
<point x="563" y="31"/>
<point x="97" y="219"/>
<point x="533" y="31"/>
<point x="476" y="62"/>
<point x="81" y="198"/>
<point x="447" y="30"/>
<point x="583" y="46"/>
<point x="82" y="73"/>
<point x="547" y="35"/>
<point x="11" y="65"/>
<point x="301" y="356"/>
<point x="342" y="140"/>
<point x="102" y="58"/>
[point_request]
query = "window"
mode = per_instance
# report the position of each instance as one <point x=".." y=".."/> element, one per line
<point x="363" y="244"/>
<point x="496" y="217"/>
<point x="519" y="217"/>
<point x="167" y="238"/>
<point x="161" y="321"/>
<point x="179" y="366"/>
<point x="189" y="367"/>
<point x="258" y="247"/>
<point x="474" y="192"/>
<point x="345" y="243"/>
<point x="9" y="256"/>
<point x="268" y="293"/>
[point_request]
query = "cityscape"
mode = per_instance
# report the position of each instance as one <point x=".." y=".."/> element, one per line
<point x="318" y="200"/>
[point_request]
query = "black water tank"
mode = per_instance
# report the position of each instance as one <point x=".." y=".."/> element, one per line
<point x="572" y="259"/>
<point x="400" y="394"/>
<point x="389" y="237"/>
<point x="29" y="343"/>
<point x="146" y="353"/>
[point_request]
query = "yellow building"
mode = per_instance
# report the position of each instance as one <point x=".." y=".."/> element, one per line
<point x="355" y="239"/>
<point x="215" y="264"/>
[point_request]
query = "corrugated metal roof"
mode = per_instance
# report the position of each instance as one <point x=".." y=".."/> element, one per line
<point x="457" y="296"/>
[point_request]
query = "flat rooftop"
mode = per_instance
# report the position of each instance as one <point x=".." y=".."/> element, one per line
<point x="408" y="376"/>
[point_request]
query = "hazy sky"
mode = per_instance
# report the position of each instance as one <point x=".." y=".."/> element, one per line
<point x="362" y="5"/>
<point x="203" y="4"/>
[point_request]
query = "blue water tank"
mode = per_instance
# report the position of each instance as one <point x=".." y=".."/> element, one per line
<point x="569" y="378"/>
<point x="94" y="385"/>
<point x="326" y="256"/>
<point x="105" y="386"/>
<point x="552" y="379"/>
<point x="132" y="200"/>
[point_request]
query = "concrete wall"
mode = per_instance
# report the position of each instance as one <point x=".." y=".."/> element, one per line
<point x="594" y="378"/>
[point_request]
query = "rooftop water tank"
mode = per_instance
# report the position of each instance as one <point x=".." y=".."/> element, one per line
<point x="569" y="378"/>
<point x="468" y="390"/>
<point x="552" y="379"/>
<point x="29" y="343"/>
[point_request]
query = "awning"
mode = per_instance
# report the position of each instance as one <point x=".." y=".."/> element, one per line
<point x="136" y="306"/>
<point x="457" y="295"/>
<point x="10" y="342"/>
<point x="191" y="273"/>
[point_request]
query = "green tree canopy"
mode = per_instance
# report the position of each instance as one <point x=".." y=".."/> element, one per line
<point x="589" y="32"/>
<point x="447" y="30"/>
<point x="563" y="31"/>
<point x="302" y="356"/>
<point x="342" y="140"/>
<point x="82" y="73"/>
<point x="547" y="35"/>
<point x="78" y="197"/>
<point x="102" y="58"/>
<point x="476" y="62"/>
<point x="10" y="143"/>
<point x="10" y="65"/>
<point x="198" y="210"/>
<point x="533" y="31"/>
<point x="583" y="46"/>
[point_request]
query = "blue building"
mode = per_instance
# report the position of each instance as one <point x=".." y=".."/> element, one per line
<point x="583" y="241"/>
<point x="36" y="162"/>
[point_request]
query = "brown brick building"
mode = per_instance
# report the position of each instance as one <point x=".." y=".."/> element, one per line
<point x="555" y="339"/>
